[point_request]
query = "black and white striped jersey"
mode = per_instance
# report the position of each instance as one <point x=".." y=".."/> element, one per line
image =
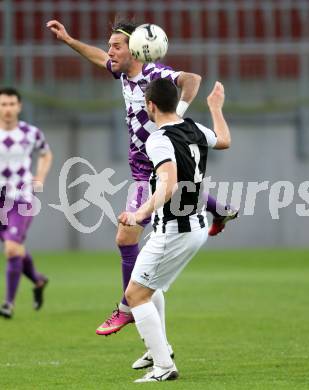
<point x="186" y="143"/>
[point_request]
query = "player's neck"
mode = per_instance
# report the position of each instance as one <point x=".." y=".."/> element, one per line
<point x="164" y="118"/>
<point x="135" y="69"/>
<point x="8" y="125"/>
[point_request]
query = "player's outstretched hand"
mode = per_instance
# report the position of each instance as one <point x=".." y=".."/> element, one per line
<point x="215" y="99"/>
<point x="127" y="218"/>
<point x="59" y="30"/>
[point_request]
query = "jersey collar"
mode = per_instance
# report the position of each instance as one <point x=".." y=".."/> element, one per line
<point x="171" y="124"/>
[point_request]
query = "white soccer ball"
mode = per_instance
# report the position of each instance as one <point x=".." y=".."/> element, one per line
<point x="148" y="43"/>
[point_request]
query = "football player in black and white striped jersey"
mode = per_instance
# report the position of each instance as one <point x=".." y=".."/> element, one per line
<point x="178" y="151"/>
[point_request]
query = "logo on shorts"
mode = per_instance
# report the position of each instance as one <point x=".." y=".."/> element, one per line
<point x="145" y="276"/>
<point x="134" y="203"/>
<point x="99" y="186"/>
<point x="13" y="230"/>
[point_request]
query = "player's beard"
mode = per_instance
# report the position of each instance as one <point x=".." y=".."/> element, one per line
<point x="126" y="65"/>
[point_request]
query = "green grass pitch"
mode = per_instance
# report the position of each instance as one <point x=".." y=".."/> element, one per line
<point x="237" y="320"/>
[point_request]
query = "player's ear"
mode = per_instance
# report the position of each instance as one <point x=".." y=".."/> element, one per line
<point x="151" y="106"/>
<point x="148" y="104"/>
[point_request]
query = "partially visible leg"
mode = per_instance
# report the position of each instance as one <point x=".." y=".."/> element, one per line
<point x="13" y="273"/>
<point x="213" y="206"/>
<point x="222" y="214"/>
<point x="128" y="237"/>
<point x="30" y="271"/>
<point x="146" y="359"/>
<point x="38" y="279"/>
<point x="159" y="302"/>
<point x="141" y="294"/>
<point x="14" y="252"/>
<point x="158" y="265"/>
<point x="148" y="323"/>
<point x="127" y="240"/>
<point x="18" y="226"/>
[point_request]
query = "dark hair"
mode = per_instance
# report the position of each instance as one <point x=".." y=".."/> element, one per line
<point x="10" y="92"/>
<point x="163" y="93"/>
<point x="127" y="26"/>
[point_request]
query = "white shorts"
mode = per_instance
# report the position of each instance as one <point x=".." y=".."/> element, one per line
<point x="164" y="256"/>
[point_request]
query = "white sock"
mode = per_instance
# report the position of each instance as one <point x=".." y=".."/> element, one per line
<point x="159" y="302"/>
<point x="124" y="307"/>
<point x="148" y="323"/>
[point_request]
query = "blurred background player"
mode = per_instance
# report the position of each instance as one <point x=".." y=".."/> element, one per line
<point x="134" y="77"/>
<point x="175" y="238"/>
<point x="18" y="141"/>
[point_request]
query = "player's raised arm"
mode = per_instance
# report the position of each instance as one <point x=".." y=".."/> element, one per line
<point x="189" y="84"/>
<point x="215" y="101"/>
<point x="94" y="54"/>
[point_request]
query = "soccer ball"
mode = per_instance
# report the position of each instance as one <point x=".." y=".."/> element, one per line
<point x="148" y="43"/>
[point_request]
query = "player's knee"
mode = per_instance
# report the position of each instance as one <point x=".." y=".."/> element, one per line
<point x="12" y="249"/>
<point x="120" y="239"/>
<point x="126" y="237"/>
<point x="136" y="295"/>
<point x="131" y="294"/>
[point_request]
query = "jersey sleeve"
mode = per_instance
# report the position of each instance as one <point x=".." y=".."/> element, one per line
<point x="159" y="149"/>
<point x="164" y="72"/>
<point x="40" y="143"/>
<point x="116" y="75"/>
<point x="209" y="134"/>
